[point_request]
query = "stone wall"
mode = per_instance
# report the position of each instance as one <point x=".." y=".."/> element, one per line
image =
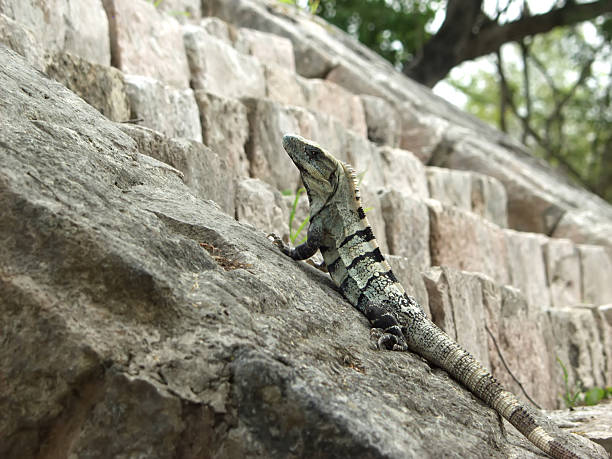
<point x="505" y="254"/>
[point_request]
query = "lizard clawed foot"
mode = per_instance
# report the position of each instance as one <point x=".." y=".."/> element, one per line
<point x="278" y="242"/>
<point x="382" y="339"/>
<point x="385" y="340"/>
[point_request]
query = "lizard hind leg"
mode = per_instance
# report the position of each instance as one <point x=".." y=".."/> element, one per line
<point x="386" y="329"/>
<point x="386" y="340"/>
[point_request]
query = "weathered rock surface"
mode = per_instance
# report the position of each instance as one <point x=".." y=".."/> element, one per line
<point x="18" y="38"/>
<point x="101" y="86"/>
<point x="456" y="305"/>
<point x="146" y="42"/>
<point x="80" y="28"/>
<point x="464" y="241"/>
<point x="594" y="422"/>
<point x="167" y="109"/>
<point x="126" y="300"/>
<point x="225" y="128"/>
<point x="208" y="175"/>
<point x="406" y="227"/>
<point x="522" y="347"/>
<point x="563" y="272"/>
<point x="218" y="68"/>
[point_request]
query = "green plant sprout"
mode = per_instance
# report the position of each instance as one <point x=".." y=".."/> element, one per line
<point x="156" y="3"/>
<point x="570" y="397"/>
<point x="590" y="397"/>
<point x="294" y="235"/>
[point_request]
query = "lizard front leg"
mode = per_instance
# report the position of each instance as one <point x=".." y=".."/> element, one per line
<point x="308" y="248"/>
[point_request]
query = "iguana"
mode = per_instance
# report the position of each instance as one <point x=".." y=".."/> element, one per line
<point x="339" y="228"/>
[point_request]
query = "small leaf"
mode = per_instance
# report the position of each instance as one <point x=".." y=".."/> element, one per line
<point x="314" y="6"/>
<point x="594" y="395"/>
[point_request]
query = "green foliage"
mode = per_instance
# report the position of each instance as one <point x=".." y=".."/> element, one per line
<point x="570" y="396"/>
<point x="293" y="235"/>
<point x="395" y="29"/>
<point x="564" y="114"/>
<point x="156" y="3"/>
<point x="574" y="396"/>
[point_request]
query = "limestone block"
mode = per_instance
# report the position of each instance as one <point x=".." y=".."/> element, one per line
<point x="284" y="86"/>
<point x="467" y="242"/>
<point x="563" y="272"/>
<point x="350" y="78"/>
<point x="261" y="205"/>
<point x="20" y="39"/>
<point x="45" y="19"/>
<point x="532" y="205"/>
<point x="382" y="120"/>
<point x="585" y="227"/>
<point x="205" y="172"/>
<point x="489" y="199"/>
<point x="525" y="342"/>
<point x="421" y="133"/>
<point x="332" y="136"/>
<point x="87" y="31"/>
<point x="527" y="267"/>
<point x="311" y="61"/>
<point x="219" y="29"/>
<point x="225" y="129"/>
<point x="409" y="275"/>
<point x="450" y="187"/>
<point x="102" y="87"/>
<point x="407" y="226"/>
<point x="167" y="109"/>
<point x="267" y="48"/>
<point x="218" y="68"/>
<point x="373" y="207"/>
<point x="182" y="10"/>
<point x="579" y="345"/>
<point x="327" y="97"/>
<point x="596" y="270"/>
<point x="603" y="317"/>
<point x="456" y="305"/>
<point x="404" y="172"/>
<point x="268" y="122"/>
<point x="365" y="159"/>
<point x="593" y="422"/>
<point x="440" y="304"/>
<point x="147" y="42"/>
<point x="78" y="27"/>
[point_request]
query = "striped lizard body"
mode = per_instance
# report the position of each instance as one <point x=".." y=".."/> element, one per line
<point x="339" y="228"/>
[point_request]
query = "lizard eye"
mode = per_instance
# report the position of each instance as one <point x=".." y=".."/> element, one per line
<point x="311" y="152"/>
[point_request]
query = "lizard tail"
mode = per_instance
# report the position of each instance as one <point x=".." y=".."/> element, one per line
<point x="438" y="348"/>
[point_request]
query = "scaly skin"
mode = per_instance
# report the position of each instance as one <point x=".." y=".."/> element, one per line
<point x="340" y="229"/>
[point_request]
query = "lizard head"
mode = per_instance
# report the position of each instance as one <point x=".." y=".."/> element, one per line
<point x="322" y="174"/>
<point x="318" y="168"/>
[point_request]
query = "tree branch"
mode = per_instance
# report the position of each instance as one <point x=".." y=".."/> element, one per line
<point x="492" y="35"/>
<point x="467" y="34"/>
